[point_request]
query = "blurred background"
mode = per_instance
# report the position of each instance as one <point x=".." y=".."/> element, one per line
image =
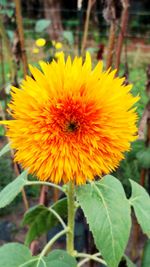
<point x="115" y="31"/>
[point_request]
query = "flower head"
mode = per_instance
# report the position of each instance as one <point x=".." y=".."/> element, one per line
<point x="58" y="45"/>
<point x="40" y="42"/>
<point x="53" y="42"/>
<point x="71" y="122"/>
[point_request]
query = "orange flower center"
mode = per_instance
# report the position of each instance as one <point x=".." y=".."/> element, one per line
<point x="72" y="119"/>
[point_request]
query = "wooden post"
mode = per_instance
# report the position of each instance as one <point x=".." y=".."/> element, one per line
<point x="123" y="28"/>
<point x="112" y="34"/>
<point x="19" y="21"/>
<point x="86" y="26"/>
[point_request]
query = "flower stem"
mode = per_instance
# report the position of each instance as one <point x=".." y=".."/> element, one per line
<point x="58" y="217"/>
<point x="45" y="183"/>
<point x="89" y="257"/>
<point x="52" y="241"/>
<point x="71" y="218"/>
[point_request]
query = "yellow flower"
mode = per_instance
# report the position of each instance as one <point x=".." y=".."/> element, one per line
<point x="53" y="42"/>
<point x="58" y="45"/>
<point x="35" y="50"/>
<point x="58" y="54"/>
<point x="40" y="42"/>
<point x="71" y="122"/>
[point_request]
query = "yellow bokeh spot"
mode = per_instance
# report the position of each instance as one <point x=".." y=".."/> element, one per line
<point x="40" y="42"/>
<point x="53" y="42"/>
<point x="35" y="50"/>
<point x="58" y="45"/>
<point x="58" y="54"/>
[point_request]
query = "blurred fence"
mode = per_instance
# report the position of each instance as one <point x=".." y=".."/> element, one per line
<point x="138" y="31"/>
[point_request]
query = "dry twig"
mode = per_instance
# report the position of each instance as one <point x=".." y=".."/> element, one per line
<point x="86" y="26"/>
<point x="21" y="36"/>
<point x="123" y="27"/>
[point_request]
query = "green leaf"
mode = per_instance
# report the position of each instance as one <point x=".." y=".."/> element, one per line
<point x="3" y="2"/>
<point x="57" y="258"/>
<point x="136" y="146"/>
<point x="8" y="12"/>
<point x="2" y="131"/>
<point x="108" y="213"/>
<point x="13" y="255"/>
<point x="11" y="36"/>
<point x="60" y="258"/>
<point x="4" y="150"/>
<point x="42" y="24"/>
<point x="18" y="255"/>
<point x="68" y="35"/>
<point x="140" y="201"/>
<point x="41" y="220"/>
<point x="91" y="49"/>
<point x="12" y="190"/>
<point x="146" y="255"/>
<point x="143" y="158"/>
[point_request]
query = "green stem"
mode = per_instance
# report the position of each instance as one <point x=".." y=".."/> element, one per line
<point x="52" y="241"/>
<point x="89" y="257"/>
<point x="85" y="255"/>
<point x="45" y="183"/>
<point x="71" y="218"/>
<point x="27" y="263"/>
<point x="58" y="217"/>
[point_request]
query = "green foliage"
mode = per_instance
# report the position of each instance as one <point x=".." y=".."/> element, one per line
<point x="10" y="35"/>
<point x="6" y="176"/>
<point x="5" y="10"/>
<point x="136" y="146"/>
<point x="14" y="254"/>
<point x="129" y="167"/>
<point x="68" y="36"/>
<point x="3" y="2"/>
<point x="20" y="256"/>
<point x="6" y="172"/>
<point x="143" y="158"/>
<point x="91" y="50"/>
<point x="4" y="150"/>
<point x="12" y="189"/>
<point x="140" y="201"/>
<point x="137" y="76"/>
<point x="2" y="131"/>
<point x="47" y="46"/>
<point x="40" y="219"/>
<point x="71" y="23"/>
<point x="32" y="191"/>
<point x="108" y="214"/>
<point x="41" y="25"/>
<point x="146" y="255"/>
<point x="60" y="258"/>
